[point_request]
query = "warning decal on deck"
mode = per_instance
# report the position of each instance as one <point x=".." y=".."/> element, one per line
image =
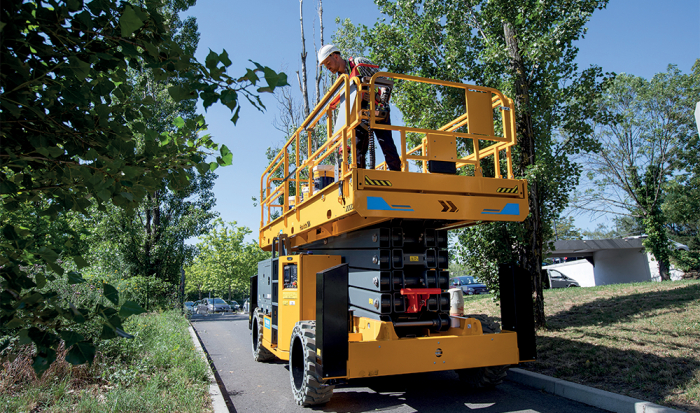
<point x="513" y="190"/>
<point x="376" y="182"/>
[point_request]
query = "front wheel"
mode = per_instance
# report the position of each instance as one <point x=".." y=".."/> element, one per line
<point x="308" y="387"/>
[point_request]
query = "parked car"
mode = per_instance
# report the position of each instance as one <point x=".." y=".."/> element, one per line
<point x="201" y="306"/>
<point x="234" y="305"/>
<point x="469" y="285"/>
<point x="246" y="306"/>
<point x="217" y="305"/>
<point x="555" y="279"/>
<point x="190" y="307"/>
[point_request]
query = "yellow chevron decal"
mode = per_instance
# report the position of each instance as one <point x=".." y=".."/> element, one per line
<point x="376" y="182"/>
<point x="513" y="190"/>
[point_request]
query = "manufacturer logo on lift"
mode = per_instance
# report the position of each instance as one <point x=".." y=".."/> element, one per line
<point x="376" y="182"/>
<point x="513" y="190"/>
<point x="267" y="323"/>
<point x="305" y="225"/>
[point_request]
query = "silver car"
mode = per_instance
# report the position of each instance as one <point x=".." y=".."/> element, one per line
<point x="217" y="305"/>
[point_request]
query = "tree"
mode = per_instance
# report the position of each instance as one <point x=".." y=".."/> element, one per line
<point x="74" y="134"/>
<point x="225" y="262"/>
<point x="565" y="229"/>
<point x="151" y="238"/>
<point x="645" y="147"/>
<point x="525" y="49"/>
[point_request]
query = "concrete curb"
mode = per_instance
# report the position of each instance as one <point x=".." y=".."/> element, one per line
<point x="217" y="399"/>
<point x="587" y="395"/>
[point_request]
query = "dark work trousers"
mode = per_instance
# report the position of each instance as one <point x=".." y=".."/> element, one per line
<point x="385" y="141"/>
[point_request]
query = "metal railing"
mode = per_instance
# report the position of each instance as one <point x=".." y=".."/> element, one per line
<point x="292" y="168"/>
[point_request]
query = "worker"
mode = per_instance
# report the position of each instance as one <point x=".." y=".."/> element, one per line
<point x="329" y="56"/>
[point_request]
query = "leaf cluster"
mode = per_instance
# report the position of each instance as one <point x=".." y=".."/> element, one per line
<point x="75" y="133"/>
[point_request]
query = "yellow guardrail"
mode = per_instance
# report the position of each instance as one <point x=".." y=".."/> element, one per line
<point x="292" y="168"/>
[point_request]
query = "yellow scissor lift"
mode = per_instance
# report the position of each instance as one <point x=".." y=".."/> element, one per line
<point x="338" y="283"/>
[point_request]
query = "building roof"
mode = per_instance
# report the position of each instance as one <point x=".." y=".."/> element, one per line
<point x="586" y="248"/>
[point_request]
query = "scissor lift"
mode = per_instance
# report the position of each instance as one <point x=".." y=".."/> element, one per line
<point x="358" y="282"/>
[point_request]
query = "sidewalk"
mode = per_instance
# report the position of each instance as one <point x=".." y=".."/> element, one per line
<point x="593" y="397"/>
<point x="217" y="399"/>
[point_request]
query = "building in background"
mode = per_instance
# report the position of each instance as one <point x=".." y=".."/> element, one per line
<point x="608" y="261"/>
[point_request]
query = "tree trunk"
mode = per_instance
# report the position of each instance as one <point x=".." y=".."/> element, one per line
<point x="530" y="254"/>
<point x="318" y="69"/>
<point x="302" y="82"/>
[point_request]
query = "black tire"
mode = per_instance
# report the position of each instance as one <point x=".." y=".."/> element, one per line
<point x="307" y="386"/>
<point x="484" y="377"/>
<point x="260" y="353"/>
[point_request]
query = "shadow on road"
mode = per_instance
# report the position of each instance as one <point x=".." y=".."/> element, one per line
<point x="205" y="318"/>
<point x="423" y="392"/>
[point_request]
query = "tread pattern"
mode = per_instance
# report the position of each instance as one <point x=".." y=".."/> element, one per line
<point x="260" y="353"/>
<point x="484" y="377"/>
<point x="308" y="387"/>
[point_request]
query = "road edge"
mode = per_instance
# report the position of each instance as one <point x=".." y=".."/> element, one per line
<point x="588" y="395"/>
<point x="217" y="399"/>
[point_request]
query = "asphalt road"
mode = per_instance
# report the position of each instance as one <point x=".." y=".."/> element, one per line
<point x="264" y="387"/>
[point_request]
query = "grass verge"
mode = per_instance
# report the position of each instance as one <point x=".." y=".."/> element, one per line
<point x="158" y="371"/>
<point x="641" y="340"/>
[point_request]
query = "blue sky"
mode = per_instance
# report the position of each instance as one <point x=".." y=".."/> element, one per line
<point x="640" y="37"/>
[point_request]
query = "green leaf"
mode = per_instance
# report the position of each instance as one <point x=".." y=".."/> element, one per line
<point x="234" y="118"/>
<point x="104" y="194"/>
<point x="14" y="323"/>
<point x="226" y="156"/>
<point x="81" y="353"/>
<point x="179" y="93"/>
<point x="179" y="122"/>
<point x="81" y="70"/>
<point x="74" y="5"/>
<point x="40" y="280"/>
<point x="70" y="337"/>
<point x="130" y="308"/>
<point x="24" y="337"/>
<point x="43" y="360"/>
<point x="107" y="332"/>
<point x="211" y="60"/>
<point x="110" y="293"/>
<point x="42" y="338"/>
<point x="223" y="58"/>
<point x="75" y="278"/>
<point x="129" y="21"/>
<point x="80" y="261"/>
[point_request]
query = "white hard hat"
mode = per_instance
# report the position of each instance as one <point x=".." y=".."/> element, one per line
<point x="326" y="51"/>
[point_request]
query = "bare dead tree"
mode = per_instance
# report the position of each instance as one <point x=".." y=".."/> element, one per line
<point x="290" y="112"/>
<point x="302" y="81"/>
<point x="318" y="68"/>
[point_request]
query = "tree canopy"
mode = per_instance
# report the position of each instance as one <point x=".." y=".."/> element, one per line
<point x="225" y="262"/>
<point x="647" y="167"/>
<point x="76" y="132"/>
<point x="526" y="49"/>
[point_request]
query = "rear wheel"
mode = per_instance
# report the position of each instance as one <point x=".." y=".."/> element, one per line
<point x="260" y="353"/>
<point x="308" y="387"/>
<point x="484" y="377"/>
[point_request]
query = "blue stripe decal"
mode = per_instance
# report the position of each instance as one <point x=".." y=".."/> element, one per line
<point x="378" y="203"/>
<point x="509" y="209"/>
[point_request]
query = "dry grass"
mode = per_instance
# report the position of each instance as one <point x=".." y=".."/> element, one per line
<point x="641" y="340"/>
<point x="158" y="371"/>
